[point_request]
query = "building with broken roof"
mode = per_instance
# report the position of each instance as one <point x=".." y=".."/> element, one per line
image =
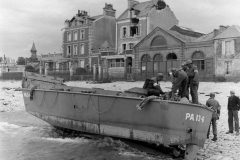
<point x="85" y="37"/>
<point x="135" y="23"/>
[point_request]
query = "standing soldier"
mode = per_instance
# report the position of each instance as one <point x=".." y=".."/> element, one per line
<point x="233" y="107"/>
<point x="193" y="80"/>
<point x="180" y="80"/>
<point x="214" y="105"/>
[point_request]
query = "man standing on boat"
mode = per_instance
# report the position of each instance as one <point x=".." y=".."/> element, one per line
<point x="193" y="80"/>
<point x="233" y="107"/>
<point x="215" y="106"/>
<point x="179" y="82"/>
<point x="152" y="85"/>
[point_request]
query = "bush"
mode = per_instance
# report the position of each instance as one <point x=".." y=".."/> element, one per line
<point x="29" y="68"/>
<point x="81" y="71"/>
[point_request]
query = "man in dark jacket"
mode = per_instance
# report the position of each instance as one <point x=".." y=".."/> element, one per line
<point x="233" y="107"/>
<point x="152" y="85"/>
<point x="193" y="80"/>
<point x="179" y="82"/>
<point x="214" y="105"/>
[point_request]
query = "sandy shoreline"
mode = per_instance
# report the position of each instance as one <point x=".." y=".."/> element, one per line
<point x="227" y="147"/>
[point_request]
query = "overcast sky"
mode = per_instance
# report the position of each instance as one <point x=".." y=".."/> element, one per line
<point x="41" y="21"/>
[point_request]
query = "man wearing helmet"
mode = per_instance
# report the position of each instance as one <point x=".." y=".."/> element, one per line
<point x="193" y="80"/>
<point x="152" y="85"/>
<point x="215" y="106"/>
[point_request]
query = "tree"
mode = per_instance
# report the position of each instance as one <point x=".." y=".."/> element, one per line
<point x="21" y="61"/>
<point x="1" y="59"/>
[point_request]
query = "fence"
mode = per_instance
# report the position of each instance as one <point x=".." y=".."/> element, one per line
<point x="65" y="74"/>
<point x="140" y="71"/>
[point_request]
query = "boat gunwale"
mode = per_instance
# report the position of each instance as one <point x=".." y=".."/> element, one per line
<point x="124" y="97"/>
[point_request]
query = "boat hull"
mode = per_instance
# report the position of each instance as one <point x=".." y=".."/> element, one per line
<point x="116" y="114"/>
<point x="162" y="122"/>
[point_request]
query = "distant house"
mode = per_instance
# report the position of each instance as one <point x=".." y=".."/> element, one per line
<point x="54" y="61"/>
<point x="227" y="51"/>
<point x="85" y="37"/>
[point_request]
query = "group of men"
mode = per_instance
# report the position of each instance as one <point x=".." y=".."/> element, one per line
<point x="186" y="79"/>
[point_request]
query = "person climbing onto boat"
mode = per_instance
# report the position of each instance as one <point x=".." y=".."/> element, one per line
<point x="152" y="85"/>
<point x="215" y="106"/>
<point x="193" y="80"/>
<point x="179" y="82"/>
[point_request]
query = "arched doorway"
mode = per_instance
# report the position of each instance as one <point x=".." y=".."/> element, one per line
<point x="146" y="64"/>
<point x="129" y="64"/>
<point x="171" y="56"/>
<point x="158" y="63"/>
<point x="172" y="61"/>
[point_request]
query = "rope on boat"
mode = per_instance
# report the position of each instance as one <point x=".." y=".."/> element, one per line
<point x="141" y="105"/>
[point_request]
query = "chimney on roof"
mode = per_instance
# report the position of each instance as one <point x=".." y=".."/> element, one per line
<point x="131" y="3"/>
<point x="81" y="13"/>
<point x="108" y="10"/>
<point x="222" y="28"/>
<point x="215" y="32"/>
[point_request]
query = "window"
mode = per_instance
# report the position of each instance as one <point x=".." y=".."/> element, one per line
<point x="82" y="34"/>
<point x="124" y="47"/>
<point x="68" y="50"/>
<point x="69" y="36"/>
<point x="81" y="63"/>
<point x="116" y="63"/>
<point x="75" y="35"/>
<point x="229" y="48"/>
<point x="124" y="35"/>
<point x="131" y="45"/>
<point x="134" y="31"/>
<point x="82" y="49"/>
<point x="75" y="49"/>
<point x="158" y="41"/>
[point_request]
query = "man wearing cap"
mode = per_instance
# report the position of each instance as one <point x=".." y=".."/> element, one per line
<point x="152" y="85"/>
<point x="179" y="82"/>
<point x="193" y="80"/>
<point x="215" y="106"/>
<point x="233" y="107"/>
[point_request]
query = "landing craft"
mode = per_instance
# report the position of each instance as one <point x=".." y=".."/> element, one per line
<point x="117" y="114"/>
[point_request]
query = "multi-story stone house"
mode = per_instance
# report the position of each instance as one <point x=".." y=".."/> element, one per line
<point x="84" y="37"/>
